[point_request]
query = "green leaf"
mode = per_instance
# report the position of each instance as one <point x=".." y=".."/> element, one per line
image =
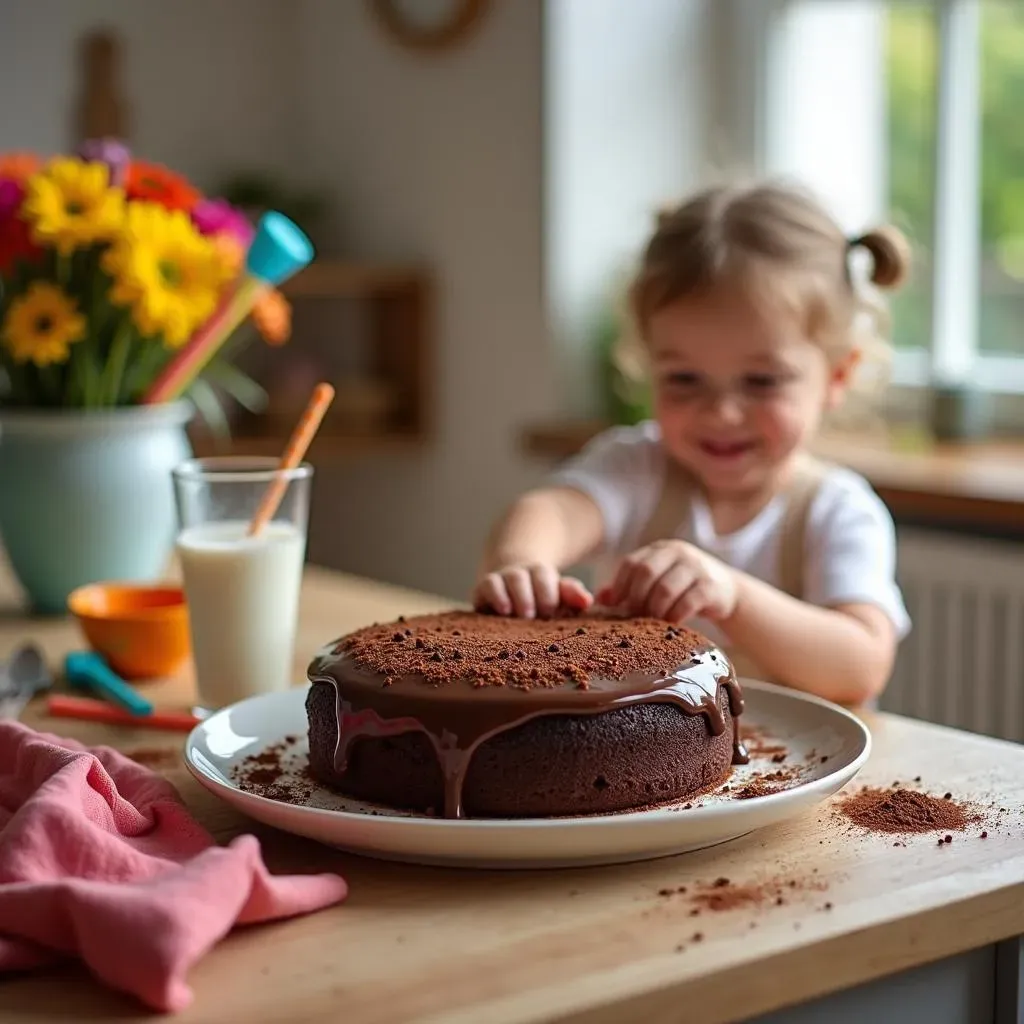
<point x="209" y="408"/>
<point x="239" y="385"/>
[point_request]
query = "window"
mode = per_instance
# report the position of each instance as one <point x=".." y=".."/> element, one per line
<point x="909" y="110"/>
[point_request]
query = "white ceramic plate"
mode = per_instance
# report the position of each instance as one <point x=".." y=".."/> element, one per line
<point x="825" y="746"/>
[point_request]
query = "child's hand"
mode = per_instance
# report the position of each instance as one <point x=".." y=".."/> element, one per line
<point x="529" y="591"/>
<point x="672" y="580"/>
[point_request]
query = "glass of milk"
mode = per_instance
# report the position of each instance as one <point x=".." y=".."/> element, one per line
<point x="242" y="592"/>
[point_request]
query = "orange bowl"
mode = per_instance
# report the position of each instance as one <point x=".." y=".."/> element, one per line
<point x="141" y="629"/>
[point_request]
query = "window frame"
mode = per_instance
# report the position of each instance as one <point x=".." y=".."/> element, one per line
<point x="955" y="358"/>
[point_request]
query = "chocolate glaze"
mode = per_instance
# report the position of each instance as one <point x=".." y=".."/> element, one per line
<point x="459" y="716"/>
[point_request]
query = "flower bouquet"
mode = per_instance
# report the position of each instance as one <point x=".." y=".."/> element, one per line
<point x="122" y="293"/>
<point x="109" y="266"/>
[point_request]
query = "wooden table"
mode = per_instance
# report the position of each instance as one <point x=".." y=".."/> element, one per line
<point x="921" y="932"/>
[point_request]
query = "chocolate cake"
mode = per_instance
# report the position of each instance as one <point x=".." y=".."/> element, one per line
<point x="471" y="715"/>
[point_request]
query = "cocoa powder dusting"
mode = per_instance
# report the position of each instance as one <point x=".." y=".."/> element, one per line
<point x="526" y="653"/>
<point x="766" y="783"/>
<point x="900" y="811"/>
<point x="156" y="757"/>
<point x="760" y="745"/>
<point x="263" y="777"/>
<point x="724" y="894"/>
<point x="272" y="773"/>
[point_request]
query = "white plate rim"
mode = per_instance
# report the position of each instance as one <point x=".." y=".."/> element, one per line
<point x="614" y="820"/>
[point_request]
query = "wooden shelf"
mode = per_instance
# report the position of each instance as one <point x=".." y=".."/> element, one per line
<point x="325" y="448"/>
<point x="333" y="279"/>
<point x="977" y="486"/>
<point x="368" y="329"/>
<point x="560" y="440"/>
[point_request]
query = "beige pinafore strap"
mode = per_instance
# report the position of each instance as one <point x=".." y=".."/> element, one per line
<point x="674" y="507"/>
<point x="803" y="486"/>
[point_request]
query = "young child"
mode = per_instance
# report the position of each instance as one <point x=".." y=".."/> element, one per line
<point x="752" y="325"/>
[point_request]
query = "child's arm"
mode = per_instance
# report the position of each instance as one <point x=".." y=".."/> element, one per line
<point x="541" y="533"/>
<point x="844" y="653"/>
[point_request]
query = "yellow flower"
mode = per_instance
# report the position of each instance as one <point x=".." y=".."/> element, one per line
<point x="165" y="272"/>
<point x="70" y="204"/>
<point x="42" y="324"/>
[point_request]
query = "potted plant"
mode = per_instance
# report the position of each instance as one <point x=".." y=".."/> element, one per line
<point x="109" y="269"/>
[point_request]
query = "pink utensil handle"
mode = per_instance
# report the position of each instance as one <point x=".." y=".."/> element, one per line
<point x="204" y="344"/>
<point x="86" y="709"/>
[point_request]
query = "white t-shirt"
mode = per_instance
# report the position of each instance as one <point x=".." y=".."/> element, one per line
<point x="849" y="544"/>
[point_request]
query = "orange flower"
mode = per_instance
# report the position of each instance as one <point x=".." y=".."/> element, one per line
<point x="18" y="166"/>
<point x="272" y="315"/>
<point x="230" y="251"/>
<point x="159" y="185"/>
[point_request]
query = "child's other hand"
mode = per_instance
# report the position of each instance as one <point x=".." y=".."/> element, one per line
<point x="530" y="591"/>
<point x="672" y="580"/>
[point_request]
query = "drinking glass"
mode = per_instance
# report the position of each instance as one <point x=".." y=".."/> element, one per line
<point x="242" y="591"/>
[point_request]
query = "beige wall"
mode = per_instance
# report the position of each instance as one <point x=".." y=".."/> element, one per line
<point x="438" y="160"/>
<point x="445" y="159"/>
<point x="208" y="83"/>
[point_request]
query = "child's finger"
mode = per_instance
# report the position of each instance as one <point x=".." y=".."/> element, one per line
<point x="520" y="591"/>
<point x="672" y="585"/>
<point x="692" y="602"/>
<point x="544" y="579"/>
<point x="615" y="592"/>
<point x="492" y="594"/>
<point x="573" y="594"/>
<point x="646" y="574"/>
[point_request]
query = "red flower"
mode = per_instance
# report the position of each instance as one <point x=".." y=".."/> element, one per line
<point x="159" y="185"/>
<point x="16" y="244"/>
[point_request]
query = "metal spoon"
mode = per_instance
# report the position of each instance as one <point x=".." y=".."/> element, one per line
<point x="22" y="676"/>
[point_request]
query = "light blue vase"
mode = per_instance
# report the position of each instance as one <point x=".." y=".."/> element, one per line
<point x="87" y="495"/>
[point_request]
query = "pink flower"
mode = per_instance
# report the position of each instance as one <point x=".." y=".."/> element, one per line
<point x="219" y="217"/>
<point x="112" y="152"/>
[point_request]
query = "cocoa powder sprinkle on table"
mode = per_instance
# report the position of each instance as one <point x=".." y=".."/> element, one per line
<point x="156" y="757"/>
<point x="724" y="894"/>
<point x="905" y="811"/>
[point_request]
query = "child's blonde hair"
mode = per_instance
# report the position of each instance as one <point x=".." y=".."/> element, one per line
<point x="778" y="244"/>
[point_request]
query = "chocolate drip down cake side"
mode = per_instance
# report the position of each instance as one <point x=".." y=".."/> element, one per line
<point x="471" y="715"/>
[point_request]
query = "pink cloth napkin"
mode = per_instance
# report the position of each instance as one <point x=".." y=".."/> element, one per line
<point x="100" y="860"/>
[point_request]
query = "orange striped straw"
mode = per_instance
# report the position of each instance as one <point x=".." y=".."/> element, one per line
<point x="298" y="444"/>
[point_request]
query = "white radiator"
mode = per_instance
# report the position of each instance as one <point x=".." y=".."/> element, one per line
<point x="963" y="662"/>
